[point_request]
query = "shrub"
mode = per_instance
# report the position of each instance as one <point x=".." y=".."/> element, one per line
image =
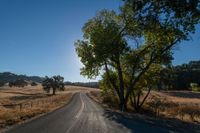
<point x="33" y="84"/>
<point x="194" y="87"/>
<point x="1" y="84"/>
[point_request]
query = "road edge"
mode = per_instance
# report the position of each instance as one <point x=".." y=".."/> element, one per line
<point x="37" y="116"/>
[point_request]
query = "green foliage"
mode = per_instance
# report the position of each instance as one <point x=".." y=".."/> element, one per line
<point x="1" y="83"/>
<point x="134" y="46"/>
<point x="33" y="84"/>
<point x="98" y="45"/>
<point x="186" y="74"/>
<point x="105" y="84"/>
<point x="194" y="87"/>
<point x="55" y="83"/>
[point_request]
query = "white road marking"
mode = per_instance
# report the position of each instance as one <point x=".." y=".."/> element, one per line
<point x="77" y="115"/>
<point x="82" y="107"/>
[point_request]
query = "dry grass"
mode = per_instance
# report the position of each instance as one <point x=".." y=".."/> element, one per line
<point x="183" y="105"/>
<point x="106" y="102"/>
<point x="30" y="102"/>
<point x="10" y="116"/>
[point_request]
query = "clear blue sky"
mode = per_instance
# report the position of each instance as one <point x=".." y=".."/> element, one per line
<point x="37" y="36"/>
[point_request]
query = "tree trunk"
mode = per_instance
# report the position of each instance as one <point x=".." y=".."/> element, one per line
<point x="123" y="105"/>
<point x="54" y="91"/>
<point x="137" y="103"/>
<point x="120" y="91"/>
<point x="123" y="102"/>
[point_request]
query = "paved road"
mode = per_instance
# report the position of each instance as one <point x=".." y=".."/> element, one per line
<point x="82" y="115"/>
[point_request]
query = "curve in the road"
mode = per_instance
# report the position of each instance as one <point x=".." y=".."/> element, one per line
<point x="83" y="115"/>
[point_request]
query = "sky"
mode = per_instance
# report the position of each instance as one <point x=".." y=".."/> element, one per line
<point x="37" y="36"/>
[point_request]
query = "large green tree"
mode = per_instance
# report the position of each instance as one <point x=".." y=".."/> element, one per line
<point x="132" y="42"/>
<point x="163" y="24"/>
<point x="103" y="47"/>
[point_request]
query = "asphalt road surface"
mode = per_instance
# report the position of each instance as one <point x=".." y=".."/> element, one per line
<point x="82" y="115"/>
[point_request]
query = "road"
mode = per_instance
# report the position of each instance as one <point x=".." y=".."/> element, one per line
<point x="83" y="115"/>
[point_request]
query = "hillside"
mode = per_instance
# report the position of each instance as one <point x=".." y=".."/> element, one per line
<point x="84" y="84"/>
<point x="6" y="77"/>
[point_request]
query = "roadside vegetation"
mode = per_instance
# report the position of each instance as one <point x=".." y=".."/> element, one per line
<point x="195" y="87"/>
<point x="133" y="51"/>
<point x="181" y="105"/>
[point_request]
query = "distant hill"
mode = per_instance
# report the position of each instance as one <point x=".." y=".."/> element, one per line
<point x="84" y="84"/>
<point x="6" y="77"/>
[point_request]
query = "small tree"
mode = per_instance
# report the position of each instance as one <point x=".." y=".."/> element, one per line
<point x="194" y="87"/>
<point x="54" y="83"/>
<point x="33" y="83"/>
<point x="10" y="84"/>
<point x="1" y="83"/>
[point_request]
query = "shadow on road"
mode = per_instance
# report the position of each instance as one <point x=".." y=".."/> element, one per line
<point x="142" y="124"/>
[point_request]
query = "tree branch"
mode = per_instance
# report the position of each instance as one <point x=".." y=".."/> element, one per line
<point x="149" y="90"/>
<point x="152" y="59"/>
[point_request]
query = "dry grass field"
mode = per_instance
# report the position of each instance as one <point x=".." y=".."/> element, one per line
<point x="20" y="104"/>
<point x="182" y="105"/>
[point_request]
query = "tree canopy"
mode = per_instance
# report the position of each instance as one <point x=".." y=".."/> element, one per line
<point x="55" y="83"/>
<point x="132" y="47"/>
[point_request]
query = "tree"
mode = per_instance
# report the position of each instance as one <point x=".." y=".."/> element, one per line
<point x="163" y="25"/>
<point x="33" y="83"/>
<point x="1" y="83"/>
<point x="131" y="43"/>
<point x="102" y="49"/>
<point x="55" y="83"/>
<point x="186" y="74"/>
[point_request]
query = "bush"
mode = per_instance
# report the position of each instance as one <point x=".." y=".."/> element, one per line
<point x="33" y="84"/>
<point x="194" y="87"/>
<point x="1" y="84"/>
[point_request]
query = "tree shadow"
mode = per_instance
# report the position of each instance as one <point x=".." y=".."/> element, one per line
<point x="183" y="94"/>
<point x="144" y="124"/>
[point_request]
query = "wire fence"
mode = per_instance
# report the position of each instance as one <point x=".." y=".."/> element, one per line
<point x="30" y="104"/>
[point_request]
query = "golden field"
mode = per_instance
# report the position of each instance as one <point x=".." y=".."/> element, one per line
<point x="20" y="104"/>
